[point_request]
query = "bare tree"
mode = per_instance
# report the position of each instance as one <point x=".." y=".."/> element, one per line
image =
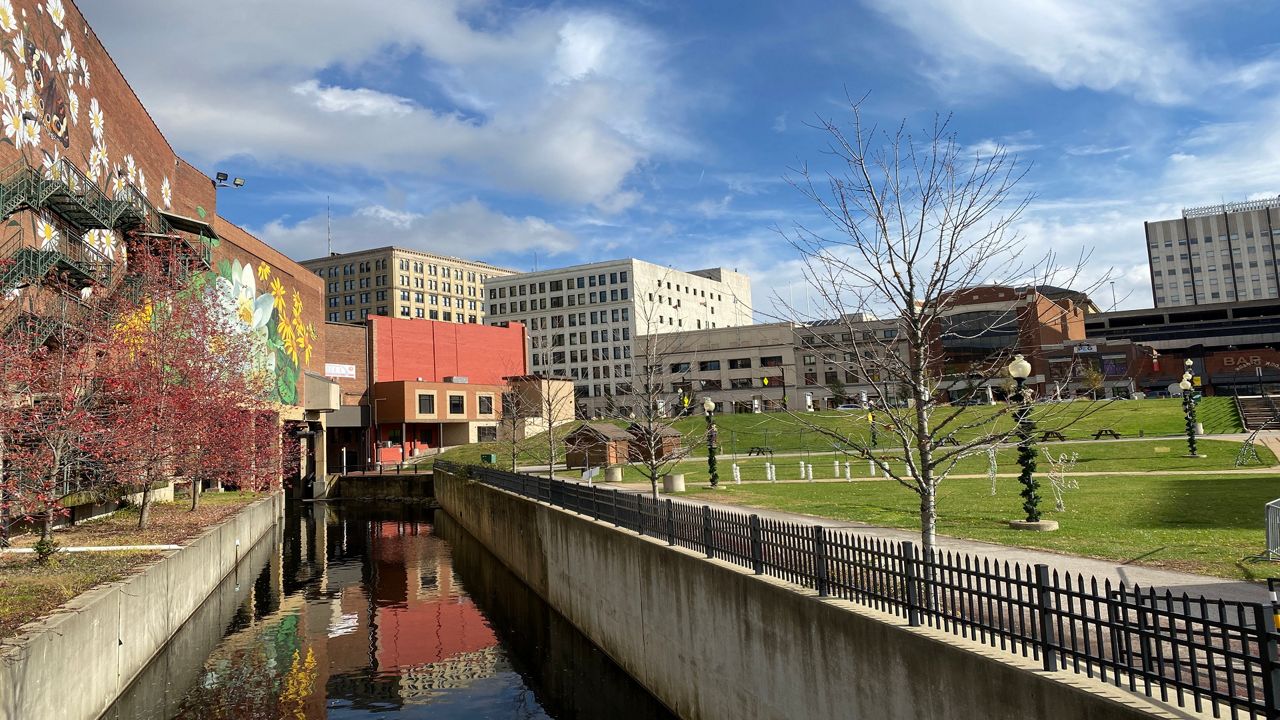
<point x="915" y="220"/>
<point x="657" y="394"/>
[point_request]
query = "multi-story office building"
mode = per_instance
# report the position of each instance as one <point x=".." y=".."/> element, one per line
<point x="773" y="366"/>
<point x="582" y="321"/>
<point x="403" y="283"/>
<point x="1216" y="253"/>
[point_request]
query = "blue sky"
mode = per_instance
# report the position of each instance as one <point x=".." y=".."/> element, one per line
<point x="577" y="132"/>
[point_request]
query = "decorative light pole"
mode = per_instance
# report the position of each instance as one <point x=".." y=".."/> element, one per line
<point x="709" y="408"/>
<point x="1189" y="409"/>
<point x="1020" y="370"/>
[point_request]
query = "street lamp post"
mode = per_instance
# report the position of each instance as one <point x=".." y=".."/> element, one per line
<point x="709" y="408"/>
<point x="1019" y="370"/>
<point x="1189" y="409"/>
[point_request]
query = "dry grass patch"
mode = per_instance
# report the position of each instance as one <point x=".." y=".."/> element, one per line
<point x="29" y="590"/>
<point x="171" y="523"/>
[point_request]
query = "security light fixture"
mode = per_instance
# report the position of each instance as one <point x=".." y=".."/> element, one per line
<point x="220" y="177"/>
<point x="238" y="182"/>
<point x="220" y="180"/>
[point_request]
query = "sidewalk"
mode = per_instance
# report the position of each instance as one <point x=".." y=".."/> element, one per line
<point x="1161" y="580"/>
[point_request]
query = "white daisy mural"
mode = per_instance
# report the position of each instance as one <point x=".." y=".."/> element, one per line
<point x="8" y="22"/>
<point x="47" y="234"/>
<point x="166" y="194"/>
<point x="57" y="13"/>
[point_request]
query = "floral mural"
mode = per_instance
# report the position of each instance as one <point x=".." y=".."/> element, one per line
<point x="273" y="316"/>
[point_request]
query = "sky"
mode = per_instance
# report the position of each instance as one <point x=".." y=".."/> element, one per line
<point x="549" y="134"/>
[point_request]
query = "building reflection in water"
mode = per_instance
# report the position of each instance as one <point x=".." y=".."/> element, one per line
<point x="359" y="611"/>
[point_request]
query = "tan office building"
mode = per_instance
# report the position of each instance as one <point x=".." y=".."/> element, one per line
<point x="1215" y="254"/>
<point x="403" y="283"/>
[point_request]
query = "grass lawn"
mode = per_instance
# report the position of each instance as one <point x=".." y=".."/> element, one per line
<point x="171" y="523"/>
<point x="1201" y="524"/>
<point x="29" y="590"/>
<point x="1130" y="418"/>
<point x="1103" y="456"/>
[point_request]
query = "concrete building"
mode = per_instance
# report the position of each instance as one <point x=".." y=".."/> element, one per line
<point x="403" y="283"/>
<point x="770" y="367"/>
<point x="582" y="321"/>
<point x="1215" y="253"/>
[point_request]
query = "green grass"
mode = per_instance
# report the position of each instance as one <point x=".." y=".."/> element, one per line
<point x="1131" y="418"/>
<point x="1140" y="456"/>
<point x="29" y="590"/>
<point x="1201" y="524"/>
<point x="532" y="451"/>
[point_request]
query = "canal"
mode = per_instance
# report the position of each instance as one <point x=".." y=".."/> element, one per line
<point x="387" y="611"/>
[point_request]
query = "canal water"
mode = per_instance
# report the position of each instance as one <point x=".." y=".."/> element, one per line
<point x="378" y="611"/>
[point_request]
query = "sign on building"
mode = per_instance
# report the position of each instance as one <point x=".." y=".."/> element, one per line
<point x="335" y="370"/>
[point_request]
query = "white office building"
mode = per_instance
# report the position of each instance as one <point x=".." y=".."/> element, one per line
<point x="1215" y="254"/>
<point x="582" y="321"/>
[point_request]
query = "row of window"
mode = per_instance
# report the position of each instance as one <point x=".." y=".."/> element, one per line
<point x="559" y="301"/>
<point x="417" y="267"/>
<point x="535" y="288"/>
<point x="457" y="404"/>
<point x="446" y="316"/>
<point x="1208" y="239"/>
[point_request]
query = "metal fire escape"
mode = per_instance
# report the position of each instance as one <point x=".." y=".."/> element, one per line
<point x="74" y="205"/>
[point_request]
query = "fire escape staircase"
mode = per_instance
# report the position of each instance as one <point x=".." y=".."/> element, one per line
<point x="76" y="205"/>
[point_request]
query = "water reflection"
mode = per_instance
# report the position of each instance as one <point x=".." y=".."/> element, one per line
<point x="361" y="610"/>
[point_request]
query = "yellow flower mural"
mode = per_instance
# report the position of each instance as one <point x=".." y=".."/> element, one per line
<point x="277" y="320"/>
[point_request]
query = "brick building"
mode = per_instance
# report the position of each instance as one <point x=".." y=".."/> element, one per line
<point x="408" y="386"/>
<point x="88" y="176"/>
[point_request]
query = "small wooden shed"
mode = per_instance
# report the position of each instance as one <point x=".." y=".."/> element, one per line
<point x="669" y="442"/>
<point x="596" y="445"/>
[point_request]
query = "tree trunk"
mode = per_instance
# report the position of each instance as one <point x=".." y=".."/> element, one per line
<point x="144" y="514"/>
<point x="196" y="484"/>
<point x="928" y="518"/>
<point x="46" y="529"/>
<point x="653" y="483"/>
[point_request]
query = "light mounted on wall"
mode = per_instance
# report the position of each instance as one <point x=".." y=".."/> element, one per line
<point x="220" y="180"/>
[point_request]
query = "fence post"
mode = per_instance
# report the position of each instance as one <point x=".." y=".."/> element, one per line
<point x="820" y="560"/>
<point x="757" y="547"/>
<point x="706" y="530"/>
<point x="1044" y="608"/>
<point x="616" y="515"/>
<point x="671" y="522"/>
<point x="907" y="551"/>
<point x="1270" y="659"/>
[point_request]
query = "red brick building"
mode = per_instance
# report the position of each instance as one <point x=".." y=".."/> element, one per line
<point x="413" y="385"/>
<point x="87" y="177"/>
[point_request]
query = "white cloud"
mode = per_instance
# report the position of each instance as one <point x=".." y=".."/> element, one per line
<point x="369" y="103"/>
<point x="466" y="229"/>
<point x="560" y="103"/>
<point x="1122" y="47"/>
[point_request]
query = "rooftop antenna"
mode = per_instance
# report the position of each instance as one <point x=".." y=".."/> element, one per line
<point x="328" y="225"/>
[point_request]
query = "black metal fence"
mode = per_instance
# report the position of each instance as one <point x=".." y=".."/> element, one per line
<point x="1211" y="655"/>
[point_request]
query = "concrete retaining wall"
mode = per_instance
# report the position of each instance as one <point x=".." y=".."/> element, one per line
<point x="73" y="665"/>
<point x="712" y="640"/>
<point x="382" y="487"/>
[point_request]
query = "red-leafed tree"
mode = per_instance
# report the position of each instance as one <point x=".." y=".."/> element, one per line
<point x="51" y="415"/>
<point x="180" y="382"/>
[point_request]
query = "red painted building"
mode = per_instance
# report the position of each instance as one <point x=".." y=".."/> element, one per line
<point x="401" y="379"/>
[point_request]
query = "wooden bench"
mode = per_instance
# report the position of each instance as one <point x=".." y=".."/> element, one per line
<point x="1108" y="432"/>
<point x="760" y="450"/>
<point x="1044" y="437"/>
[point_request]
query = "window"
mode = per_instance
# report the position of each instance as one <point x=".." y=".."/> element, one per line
<point x="457" y="404"/>
<point x="808" y="360"/>
<point x="740" y="364"/>
<point x="680" y="367"/>
<point x="811" y="378"/>
<point x="487" y="433"/>
<point x="486" y="402"/>
<point x="426" y="404"/>
<point x="771" y="361"/>
<point x="739" y="383"/>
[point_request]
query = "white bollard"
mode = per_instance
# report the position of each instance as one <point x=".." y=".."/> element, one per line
<point x="848" y="475"/>
<point x="871" y="467"/>
<point x="773" y="472"/>
<point x="737" y="475"/>
<point x="836" y="472"/>
<point x="801" y="469"/>
<point x="810" y="471"/>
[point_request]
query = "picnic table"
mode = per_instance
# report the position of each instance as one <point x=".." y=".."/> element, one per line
<point x="1044" y="437"/>
<point x="948" y="440"/>
<point x="1106" y="431"/>
<point x="760" y="450"/>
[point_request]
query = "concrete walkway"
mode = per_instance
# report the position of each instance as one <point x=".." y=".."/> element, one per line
<point x="100" y="548"/>
<point x="1146" y="577"/>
